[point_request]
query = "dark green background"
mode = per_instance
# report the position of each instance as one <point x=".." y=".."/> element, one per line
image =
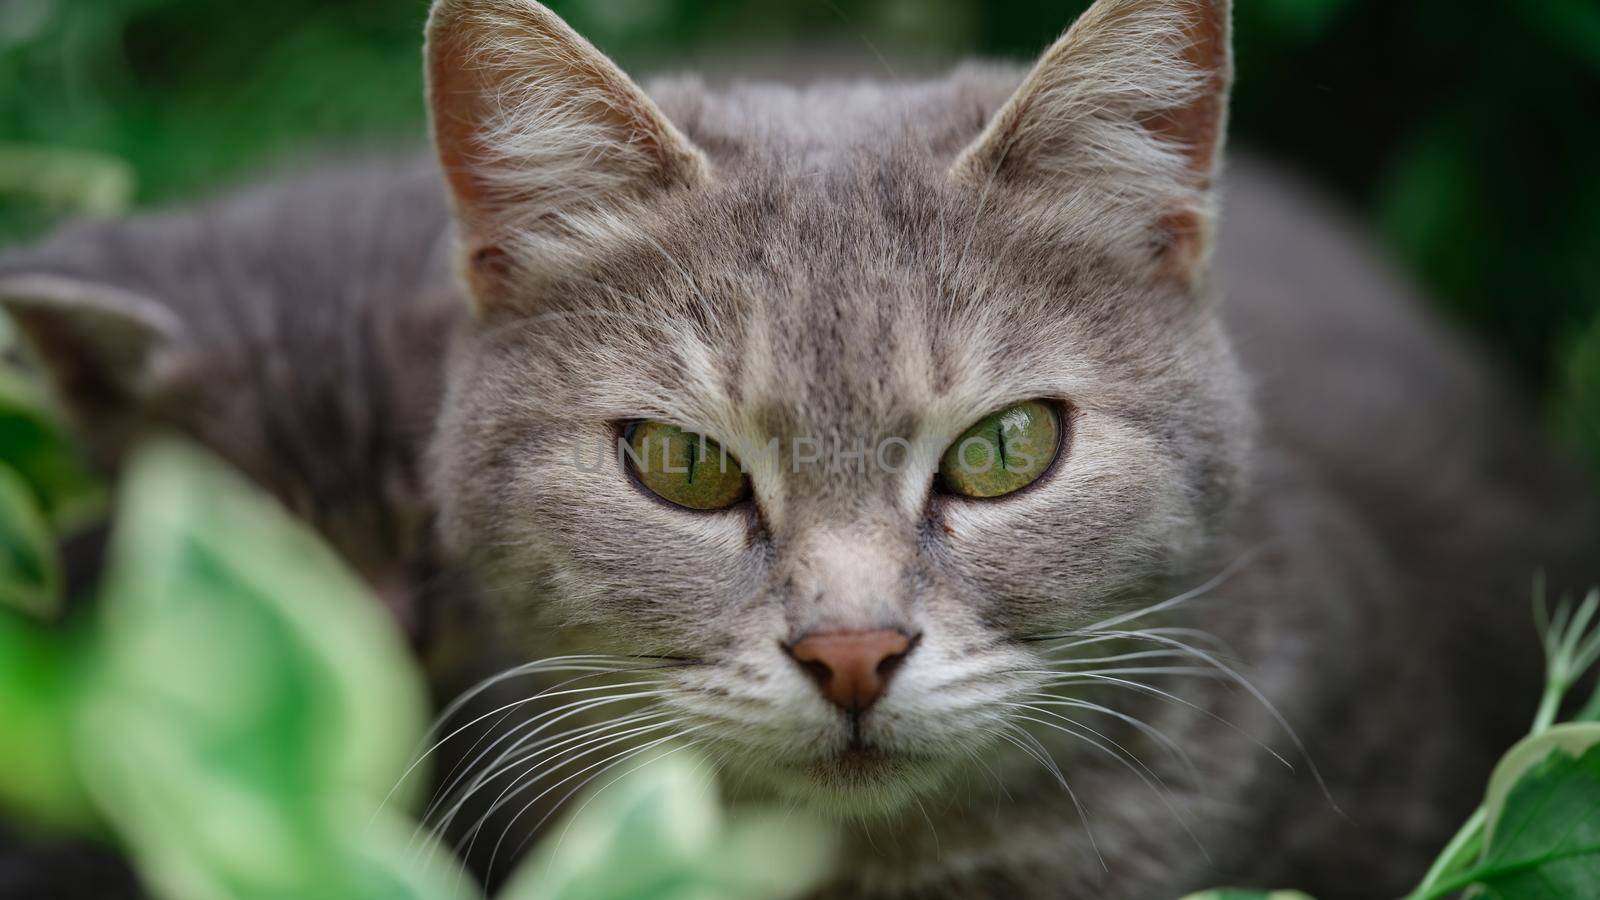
<point x="1466" y="132"/>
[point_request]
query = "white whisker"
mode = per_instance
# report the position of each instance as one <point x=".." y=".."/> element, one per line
<point x="1172" y="747"/>
<point x="1239" y="562"/>
<point x="1272" y="710"/>
<point x="1173" y="698"/>
<point x="525" y="731"/>
<point x="532" y="778"/>
<point x="563" y="663"/>
<point x="606" y="763"/>
<point x="1044" y="759"/>
<point x="1126" y="758"/>
<point x="452" y="779"/>
<point x="567" y="746"/>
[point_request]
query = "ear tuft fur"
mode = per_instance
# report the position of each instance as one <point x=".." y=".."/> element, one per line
<point x="541" y="136"/>
<point x="1125" y="112"/>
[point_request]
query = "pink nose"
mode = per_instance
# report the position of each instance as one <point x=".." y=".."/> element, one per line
<point x="852" y="668"/>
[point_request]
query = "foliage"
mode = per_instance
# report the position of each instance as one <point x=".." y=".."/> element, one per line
<point x="660" y="835"/>
<point x="234" y="708"/>
<point x="36" y="450"/>
<point x="1580" y="411"/>
<point x="1537" y="833"/>
<point x="30" y="576"/>
<point x="1543" y="836"/>
<point x="248" y="702"/>
<point x="40" y="680"/>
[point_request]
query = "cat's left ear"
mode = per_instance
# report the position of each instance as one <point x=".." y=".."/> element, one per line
<point x="1121" y="122"/>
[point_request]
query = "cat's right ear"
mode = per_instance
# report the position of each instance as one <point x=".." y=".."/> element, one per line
<point x="544" y="141"/>
<point x="1118" y="130"/>
<point x="105" y="350"/>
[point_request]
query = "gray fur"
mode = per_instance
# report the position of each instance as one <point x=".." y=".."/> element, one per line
<point x="1380" y="500"/>
<point x="296" y="315"/>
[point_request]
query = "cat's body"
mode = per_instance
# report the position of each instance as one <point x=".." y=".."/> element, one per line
<point x="1378" y="504"/>
<point x="309" y="320"/>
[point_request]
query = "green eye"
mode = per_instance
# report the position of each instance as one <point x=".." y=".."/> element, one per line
<point x="1005" y="452"/>
<point x="685" y="468"/>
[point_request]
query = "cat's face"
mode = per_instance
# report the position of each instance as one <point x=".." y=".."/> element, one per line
<point x="837" y="310"/>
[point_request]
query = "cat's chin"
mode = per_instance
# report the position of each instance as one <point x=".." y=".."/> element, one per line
<point x="856" y="783"/>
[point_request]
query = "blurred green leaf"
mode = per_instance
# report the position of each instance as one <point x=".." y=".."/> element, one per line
<point x="658" y="833"/>
<point x="1579" y="403"/>
<point x="59" y="178"/>
<point x="41" y="676"/>
<point x="1424" y="203"/>
<point x="34" y="443"/>
<point x="30" y="575"/>
<point x="1572" y="24"/>
<point x="252" y="705"/>
<point x="1302" y="17"/>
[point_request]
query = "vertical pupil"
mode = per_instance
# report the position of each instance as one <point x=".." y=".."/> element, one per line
<point x="1003" y="452"/>
<point x="683" y="466"/>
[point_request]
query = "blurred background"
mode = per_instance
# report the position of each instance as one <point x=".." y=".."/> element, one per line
<point x="1465" y="134"/>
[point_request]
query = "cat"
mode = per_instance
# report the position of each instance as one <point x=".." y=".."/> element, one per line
<point x="1258" y="616"/>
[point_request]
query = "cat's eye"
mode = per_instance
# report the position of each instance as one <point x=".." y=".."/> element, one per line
<point x="684" y="468"/>
<point x="1005" y="452"/>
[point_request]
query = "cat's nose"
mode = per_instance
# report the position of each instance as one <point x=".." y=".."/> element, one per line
<point x="852" y="668"/>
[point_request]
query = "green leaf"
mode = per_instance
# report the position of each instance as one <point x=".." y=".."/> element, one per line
<point x="657" y="833"/>
<point x="1578" y="403"/>
<point x="65" y="178"/>
<point x="1573" y="25"/>
<point x="41" y="674"/>
<point x="1570" y="739"/>
<point x="1302" y="18"/>
<point x="253" y="705"/>
<point x="34" y="442"/>
<point x="30" y="575"/>
<point x="1543" y="837"/>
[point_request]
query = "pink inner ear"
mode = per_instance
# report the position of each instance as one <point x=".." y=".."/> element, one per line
<point x="1180" y="235"/>
<point x="523" y="68"/>
<point x="490" y="263"/>
<point x="489" y="271"/>
<point x="456" y="91"/>
<point x="1196" y="126"/>
<point x="1180" y="242"/>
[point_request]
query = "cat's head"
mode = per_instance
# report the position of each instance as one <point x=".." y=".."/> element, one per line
<point x="835" y="285"/>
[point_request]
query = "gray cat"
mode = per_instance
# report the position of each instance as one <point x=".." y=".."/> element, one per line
<point x="1234" y="591"/>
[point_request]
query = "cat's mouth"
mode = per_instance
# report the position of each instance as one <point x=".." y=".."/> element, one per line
<point x="856" y="761"/>
<point x="858" y="780"/>
<point x="861" y="766"/>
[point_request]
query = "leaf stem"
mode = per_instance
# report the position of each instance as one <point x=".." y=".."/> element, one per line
<point x="1549" y="704"/>
<point x="1461" y="848"/>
